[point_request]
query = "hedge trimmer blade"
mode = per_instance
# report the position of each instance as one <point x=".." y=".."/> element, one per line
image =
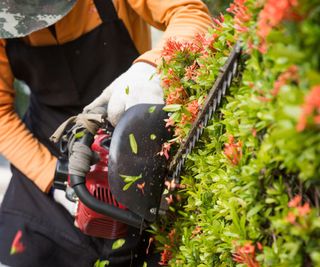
<point x="213" y="100"/>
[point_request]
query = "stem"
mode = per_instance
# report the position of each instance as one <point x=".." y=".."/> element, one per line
<point x="275" y="242"/>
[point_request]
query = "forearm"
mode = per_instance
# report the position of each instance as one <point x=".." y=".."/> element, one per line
<point x="181" y="20"/>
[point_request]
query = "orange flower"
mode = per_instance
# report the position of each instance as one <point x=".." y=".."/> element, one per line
<point x="304" y="210"/>
<point x="191" y="73"/>
<point x="170" y="184"/>
<point x="206" y="42"/>
<point x="172" y="235"/>
<point x="165" y="150"/>
<point x="241" y="15"/>
<point x="295" y="201"/>
<point x="151" y="239"/>
<point x="141" y="187"/>
<point x="169" y="200"/>
<point x="169" y="122"/>
<point x="177" y="96"/>
<point x="233" y="150"/>
<point x="291" y="74"/>
<point x="247" y="248"/>
<point x="246" y="255"/>
<point x="272" y="14"/>
<point x="218" y="22"/>
<point x="193" y="108"/>
<point x="166" y="255"/>
<point x="310" y="108"/>
<point x="185" y="119"/>
<point x="291" y="217"/>
<point x="254" y="132"/>
<point x="171" y="48"/>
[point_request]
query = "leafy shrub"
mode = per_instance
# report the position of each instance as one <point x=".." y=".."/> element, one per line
<point x="249" y="194"/>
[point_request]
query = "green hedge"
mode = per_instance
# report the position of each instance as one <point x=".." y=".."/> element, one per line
<point x="249" y="194"/>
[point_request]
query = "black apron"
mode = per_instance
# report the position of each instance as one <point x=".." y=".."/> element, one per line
<point x="63" y="79"/>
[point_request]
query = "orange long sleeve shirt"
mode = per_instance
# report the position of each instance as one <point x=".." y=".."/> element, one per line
<point x="180" y="19"/>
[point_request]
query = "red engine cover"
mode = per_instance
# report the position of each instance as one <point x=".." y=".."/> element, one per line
<point x="89" y="221"/>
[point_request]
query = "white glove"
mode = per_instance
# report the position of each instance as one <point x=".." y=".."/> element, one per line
<point x="59" y="196"/>
<point x="140" y="84"/>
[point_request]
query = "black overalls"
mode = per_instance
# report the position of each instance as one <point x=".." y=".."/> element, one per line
<point x="63" y="79"/>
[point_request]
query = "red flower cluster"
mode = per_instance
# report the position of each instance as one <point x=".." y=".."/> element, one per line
<point x="176" y="96"/>
<point x="193" y="108"/>
<point x="241" y="15"/>
<point x="172" y="47"/>
<point x="218" y="22"/>
<point x="191" y="71"/>
<point x="291" y="74"/>
<point x="271" y="15"/>
<point x="246" y="254"/>
<point x="206" y="42"/>
<point x="17" y="246"/>
<point x="298" y="211"/>
<point x="310" y="109"/>
<point x="233" y="150"/>
<point x="166" y="254"/>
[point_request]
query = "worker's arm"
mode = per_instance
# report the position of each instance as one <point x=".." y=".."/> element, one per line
<point x="179" y="19"/>
<point x="16" y="143"/>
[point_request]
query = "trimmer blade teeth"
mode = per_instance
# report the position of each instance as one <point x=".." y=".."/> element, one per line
<point x="224" y="88"/>
<point x="229" y="78"/>
<point x="213" y="100"/>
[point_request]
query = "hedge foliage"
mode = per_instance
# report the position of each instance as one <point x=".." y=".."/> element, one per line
<point x="249" y="194"/>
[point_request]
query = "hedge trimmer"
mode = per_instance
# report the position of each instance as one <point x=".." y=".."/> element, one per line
<point x="125" y="185"/>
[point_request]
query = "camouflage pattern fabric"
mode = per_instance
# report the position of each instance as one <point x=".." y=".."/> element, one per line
<point x="20" y="17"/>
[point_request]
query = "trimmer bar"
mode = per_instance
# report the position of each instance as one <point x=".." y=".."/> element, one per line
<point x="125" y="185"/>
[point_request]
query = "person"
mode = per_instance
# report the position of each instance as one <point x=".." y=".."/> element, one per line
<point x="68" y="52"/>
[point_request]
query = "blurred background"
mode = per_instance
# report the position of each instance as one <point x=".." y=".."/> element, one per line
<point x="22" y="97"/>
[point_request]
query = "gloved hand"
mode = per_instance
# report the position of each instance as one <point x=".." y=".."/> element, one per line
<point x="139" y="84"/>
<point x="59" y="196"/>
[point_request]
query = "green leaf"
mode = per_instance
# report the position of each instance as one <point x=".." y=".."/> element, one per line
<point x="153" y="136"/>
<point x="254" y="210"/>
<point x="99" y="263"/>
<point x="151" y="77"/>
<point x="127" y="90"/>
<point x="133" y="144"/>
<point x="127" y="186"/>
<point x="78" y="135"/>
<point x="172" y="108"/>
<point x="129" y="180"/>
<point x="145" y="264"/>
<point x="118" y="243"/>
<point x="152" y="109"/>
